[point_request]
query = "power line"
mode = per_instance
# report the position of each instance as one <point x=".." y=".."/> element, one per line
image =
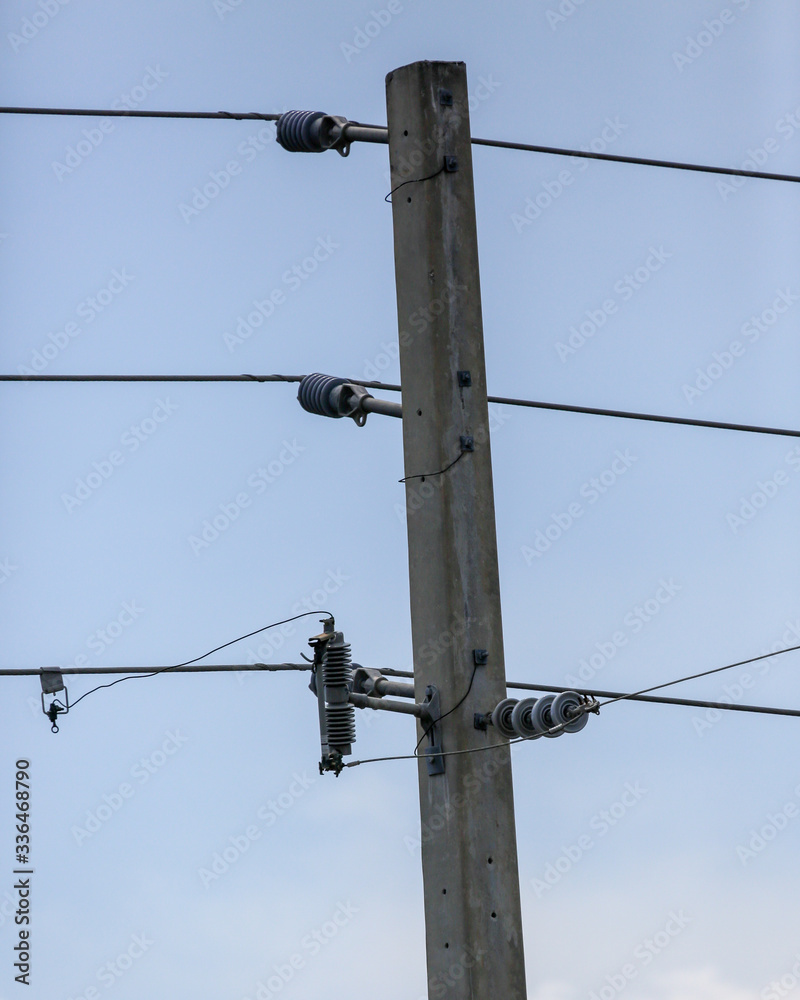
<point x="636" y="696"/>
<point x="152" y="378"/>
<point x="497" y="143"/>
<point x="630" y="415"/>
<point x="190" y="666"/>
<point x="236" y="116"/>
<point x="704" y="673"/>
<point x="686" y="702"/>
<point x="389" y="672"/>
<point x="640" y="160"/>
<point x="177" y="666"/>
<point x="389" y="387"/>
<point x="619" y="696"/>
<point x="152" y="671"/>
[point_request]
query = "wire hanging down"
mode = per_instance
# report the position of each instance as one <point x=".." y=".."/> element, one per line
<point x="415" y="180"/>
<point x="390" y="387"/>
<point x="428" y="475"/>
<point x="186" y="663"/>
<point x="498" y="143"/>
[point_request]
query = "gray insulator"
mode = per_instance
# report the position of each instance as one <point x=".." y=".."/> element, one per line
<point x="315" y="391"/>
<point x="337" y="678"/>
<point x="566" y="708"/>
<point x="542" y="718"/>
<point x="299" y="131"/>
<point x="501" y="717"/>
<point x="521" y="720"/>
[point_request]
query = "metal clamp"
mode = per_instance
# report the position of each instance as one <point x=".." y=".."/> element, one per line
<point x="430" y="715"/>
<point x="53" y="682"/>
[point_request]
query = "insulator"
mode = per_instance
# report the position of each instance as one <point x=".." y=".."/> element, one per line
<point x="521" y="721"/>
<point x="341" y="727"/>
<point x="542" y="718"/>
<point x="337" y="678"/>
<point x="315" y="391"/>
<point x="566" y="708"/>
<point x="501" y="717"/>
<point x="299" y="131"/>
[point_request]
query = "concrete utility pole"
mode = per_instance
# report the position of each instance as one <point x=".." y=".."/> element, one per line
<point x="469" y="853"/>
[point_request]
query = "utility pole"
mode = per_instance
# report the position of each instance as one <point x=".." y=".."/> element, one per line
<point x="469" y="853"/>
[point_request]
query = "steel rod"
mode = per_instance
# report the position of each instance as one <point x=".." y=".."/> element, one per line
<point x="384" y="705"/>
<point x="384" y="406"/>
<point x="365" y="133"/>
<point x="395" y="688"/>
<point x="191" y="669"/>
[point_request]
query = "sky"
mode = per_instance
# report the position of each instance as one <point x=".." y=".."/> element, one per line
<point x="182" y="839"/>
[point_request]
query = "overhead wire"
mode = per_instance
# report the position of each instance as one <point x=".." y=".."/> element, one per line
<point x="704" y="673"/>
<point x="598" y="411"/>
<point x="617" y="695"/>
<point x="391" y="672"/>
<point x="497" y="143"/>
<point x="151" y="378"/>
<point x="640" y="160"/>
<point x="207" y="668"/>
<point x="685" y="702"/>
<point x="120" y="113"/>
<point x="187" y="663"/>
<point x="594" y="708"/>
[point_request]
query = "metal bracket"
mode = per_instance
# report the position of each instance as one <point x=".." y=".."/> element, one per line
<point x="349" y="399"/>
<point x="365" y="681"/>
<point x="53" y="682"/>
<point x="429" y="717"/>
<point x="464" y="379"/>
<point x="482" y="720"/>
<point x="467" y="442"/>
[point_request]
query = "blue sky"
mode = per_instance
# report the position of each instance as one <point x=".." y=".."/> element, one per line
<point x="648" y="817"/>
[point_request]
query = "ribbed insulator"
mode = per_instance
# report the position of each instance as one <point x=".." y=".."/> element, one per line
<point x="314" y="394"/>
<point x="337" y="676"/>
<point x="298" y="131"/>
<point x="340" y="723"/>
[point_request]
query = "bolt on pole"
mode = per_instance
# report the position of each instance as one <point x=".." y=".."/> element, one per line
<point x="469" y="852"/>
